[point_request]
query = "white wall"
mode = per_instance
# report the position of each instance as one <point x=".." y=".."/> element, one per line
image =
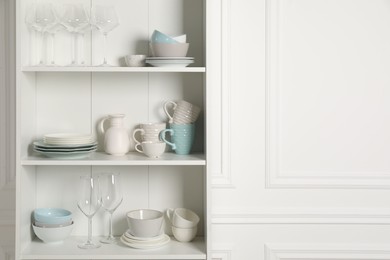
<point x="305" y="170"/>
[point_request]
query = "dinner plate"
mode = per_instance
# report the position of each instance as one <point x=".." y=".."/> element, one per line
<point x="67" y="155"/>
<point x="130" y="236"/>
<point x="176" y="65"/>
<point x="169" y="58"/>
<point x="158" y="244"/>
<point x="87" y="149"/>
<point x="42" y="145"/>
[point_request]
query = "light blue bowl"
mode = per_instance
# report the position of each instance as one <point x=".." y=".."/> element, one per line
<point x="159" y="37"/>
<point x="52" y="215"/>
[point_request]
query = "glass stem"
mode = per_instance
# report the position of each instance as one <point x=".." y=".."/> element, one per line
<point x="53" y="51"/>
<point x="82" y="58"/>
<point x="43" y="48"/>
<point x="89" y="230"/>
<point x="73" y="48"/>
<point x="110" y="225"/>
<point x="105" y="48"/>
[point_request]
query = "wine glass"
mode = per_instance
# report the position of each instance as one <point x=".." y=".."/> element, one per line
<point x="89" y="203"/>
<point x="52" y="31"/>
<point x="111" y="199"/>
<point x="40" y="17"/>
<point x="105" y="19"/>
<point x="74" y="18"/>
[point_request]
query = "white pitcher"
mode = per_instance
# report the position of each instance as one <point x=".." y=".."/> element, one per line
<point x="116" y="139"/>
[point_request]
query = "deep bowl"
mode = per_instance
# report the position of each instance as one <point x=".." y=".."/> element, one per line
<point x="169" y="50"/>
<point x="52" y="215"/>
<point x="184" y="234"/>
<point x="145" y="222"/>
<point x="53" y="235"/>
<point x="159" y="37"/>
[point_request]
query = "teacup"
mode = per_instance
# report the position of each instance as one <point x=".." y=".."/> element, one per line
<point x="149" y="132"/>
<point x="182" y="218"/>
<point x="182" y="137"/>
<point x="184" y="234"/>
<point x="151" y="149"/>
<point x="183" y="112"/>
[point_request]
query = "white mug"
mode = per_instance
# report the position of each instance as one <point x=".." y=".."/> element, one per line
<point x="151" y="149"/>
<point x="149" y="132"/>
<point x="183" y="112"/>
<point x="182" y="218"/>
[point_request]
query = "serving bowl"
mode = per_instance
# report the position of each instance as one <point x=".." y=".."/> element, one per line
<point x="53" y="235"/>
<point x="169" y="50"/>
<point x="159" y="37"/>
<point x="52" y="215"/>
<point x="145" y="222"/>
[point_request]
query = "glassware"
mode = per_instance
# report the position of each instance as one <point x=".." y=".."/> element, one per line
<point x="111" y="199"/>
<point x="52" y="31"/>
<point x="74" y="18"/>
<point x="89" y="203"/>
<point x="39" y="17"/>
<point x="105" y="19"/>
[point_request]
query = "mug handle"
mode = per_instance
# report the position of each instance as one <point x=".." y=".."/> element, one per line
<point x="162" y="136"/>
<point x="169" y="214"/>
<point x="138" y="149"/>
<point x="166" y="109"/>
<point x="135" y="131"/>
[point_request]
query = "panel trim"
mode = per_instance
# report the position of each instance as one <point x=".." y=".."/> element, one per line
<point x="221" y="255"/>
<point x="329" y="251"/>
<point x="301" y="216"/>
<point x="299" y="179"/>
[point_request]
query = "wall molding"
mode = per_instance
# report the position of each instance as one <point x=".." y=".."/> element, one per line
<point x="223" y="179"/>
<point x="331" y="251"/>
<point x="7" y="253"/>
<point x="221" y="255"/>
<point x="301" y="216"/>
<point x="275" y="177"/>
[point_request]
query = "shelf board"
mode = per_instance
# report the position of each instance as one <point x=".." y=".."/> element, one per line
<point x="132" y="158"/>
<point x="69" y="250"/>
<point x="111" y="69"/>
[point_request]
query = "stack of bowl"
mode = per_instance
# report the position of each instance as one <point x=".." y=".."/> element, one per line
<point x="184" y="223"/>
<point x="145" y="229"/>
<point x="169" y="51"/>
<point x="52" y="225"/>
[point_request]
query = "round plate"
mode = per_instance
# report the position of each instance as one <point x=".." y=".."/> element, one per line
<point x="42" y="145"/>
<point x="161" y="243"/>
<point x="66" y="155"/>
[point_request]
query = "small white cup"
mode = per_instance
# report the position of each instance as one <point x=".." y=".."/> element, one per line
<point x="184" y="234"/>
<point x="151" y="149"/>
<point x="182" y="218"/>
<point x="149" y="132"/>
<point x="135" y="60"/>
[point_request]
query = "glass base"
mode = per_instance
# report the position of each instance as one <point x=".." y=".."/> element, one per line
<point x="105" y="65"/>
<point x="89" y="245"/>
<point x="109" y="240"/>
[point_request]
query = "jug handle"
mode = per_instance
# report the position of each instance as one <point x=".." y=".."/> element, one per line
<point x="101" y="125"/>
<point x="166" y="110"/>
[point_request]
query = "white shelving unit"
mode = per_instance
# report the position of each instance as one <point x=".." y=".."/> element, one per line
<point x="74" y="99"/>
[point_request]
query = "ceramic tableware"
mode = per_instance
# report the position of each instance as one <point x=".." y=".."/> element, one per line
<point x="148" y="132"/>
<point x="116" y="139"/>
<point x="159" y="37"/>
<point x="184" y="234"/>
<point x="54" y="216"/>
<point x="53" y="235"/>
<point x="183" y="112"/>
<point x="145" y="222"/>
<point x="151" y="149"/>
<point x="182" y="218"/>
<point x="137" y="60"/>
<point x="182" y="137"/>
<point x="169" y="50"/>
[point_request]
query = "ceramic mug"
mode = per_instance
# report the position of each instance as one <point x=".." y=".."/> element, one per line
<point x="182" y="137"/>
<point x="149" y="132"/>
<point x="151" y="149"/>
<point x="183" y="112"/>
<point x="182" y="218"/>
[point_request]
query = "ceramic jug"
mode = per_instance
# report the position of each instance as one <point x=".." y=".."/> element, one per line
<point x="116" y="139"/>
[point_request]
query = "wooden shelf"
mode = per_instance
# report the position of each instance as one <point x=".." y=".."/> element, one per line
<point x="69" y="250"/>
<point x="112" y="69"/>
<point x="132" y="158"/>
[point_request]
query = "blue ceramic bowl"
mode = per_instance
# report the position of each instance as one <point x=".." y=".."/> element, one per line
<point x="52" y="215"/>
<point x="159" y="37"/>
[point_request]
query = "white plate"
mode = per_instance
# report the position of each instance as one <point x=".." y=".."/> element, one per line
<point x="169" y="58"/>
<point x="171" y="61"/>
<point x="161" y="243"/>
<point x="61" y="136"/>
<point x="171" y="65"/>
<point x="42" y="145"/>
<point x="65" y="150"/>
<point x="130" y="236"/>
<point x="67" y="155"/>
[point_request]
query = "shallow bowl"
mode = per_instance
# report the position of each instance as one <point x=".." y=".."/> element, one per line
<point x="169" y="50"/>
<point x="52" y="215"/>
<point x="159" y="37"/>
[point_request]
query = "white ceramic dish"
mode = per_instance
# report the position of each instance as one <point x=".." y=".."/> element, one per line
<point x="65" y="150"/>
<point x="53" y="235"/>
<point x="158" y="244"/>
<point x="67" y="155"/>
<point x="42" y="145"/>
<point x="130" y="236"/>
<point x="169" y="58"/>
<point x="184" y="234"/>
<point x="145" y="222"/>
<point x="169" y="64"/>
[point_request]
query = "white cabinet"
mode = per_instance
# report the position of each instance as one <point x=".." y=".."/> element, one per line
<point x="74" y="99"/>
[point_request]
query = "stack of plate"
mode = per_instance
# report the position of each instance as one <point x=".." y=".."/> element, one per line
<point x="170" y="61"/>
<point x="66" y="146"/>
<point x="144" y="242"/>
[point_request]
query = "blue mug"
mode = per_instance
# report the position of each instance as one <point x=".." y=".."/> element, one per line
<point x="182" y="137"/>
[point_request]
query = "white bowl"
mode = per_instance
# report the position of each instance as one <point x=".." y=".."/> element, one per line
<point x="180" y="38"/>
<point x="145" y="222"/>
<point x="184" y="234"/>
<point x="54" y="234"/>
<point x="169" y="50"/>
<point x="137" y="60"/>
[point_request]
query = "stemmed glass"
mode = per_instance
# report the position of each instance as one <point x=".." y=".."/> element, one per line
<point x="74" y="18"/>
<point x="52" y="31"/>
<point x="111" y="199"/>
<point x="89" y="203"/>
<point x="40" y="17"/>
<point x="105" y="19"/>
